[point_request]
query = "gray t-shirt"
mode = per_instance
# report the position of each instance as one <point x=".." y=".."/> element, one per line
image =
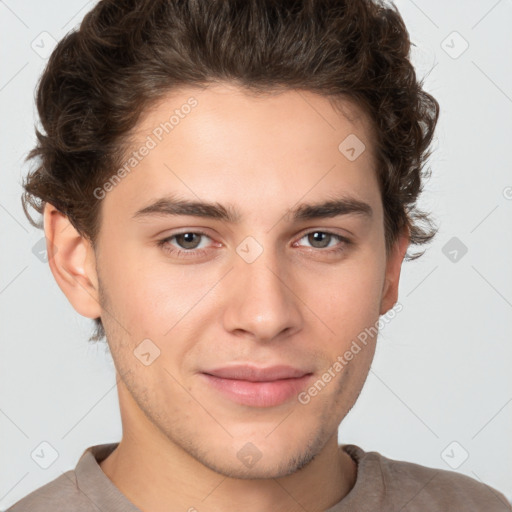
<point x="382" y="484"/>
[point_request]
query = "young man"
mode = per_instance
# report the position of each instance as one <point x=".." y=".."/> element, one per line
<point x="229" y="189"/>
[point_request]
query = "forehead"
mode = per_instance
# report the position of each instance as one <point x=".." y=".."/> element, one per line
<point x="305" y="111"/>
<point x="226" y="144"/>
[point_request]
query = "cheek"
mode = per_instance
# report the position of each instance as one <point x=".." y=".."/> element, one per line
<point x="347" y="298"/>
<point x="160" y="301"/>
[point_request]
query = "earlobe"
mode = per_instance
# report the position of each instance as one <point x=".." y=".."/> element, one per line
<point x="393" y="268"/>
<point x="72" y="262"/>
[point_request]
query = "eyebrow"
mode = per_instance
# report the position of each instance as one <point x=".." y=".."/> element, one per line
<point x="330" y="208"/>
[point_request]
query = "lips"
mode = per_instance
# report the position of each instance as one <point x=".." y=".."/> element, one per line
<point x="257" y="387"/>
<point x="254" y="374"/>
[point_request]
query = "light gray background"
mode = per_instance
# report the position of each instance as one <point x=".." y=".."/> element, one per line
<point x="441" y="373"/>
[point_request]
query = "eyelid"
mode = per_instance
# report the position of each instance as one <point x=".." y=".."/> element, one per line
<point x="195" y="231"/>
<point x="343" y="240"/>
<point x="327" y="230"/>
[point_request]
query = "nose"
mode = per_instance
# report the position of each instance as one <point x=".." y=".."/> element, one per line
<point x="261" y="301"/>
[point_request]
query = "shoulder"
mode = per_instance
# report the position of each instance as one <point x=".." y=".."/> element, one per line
<point x="419" y="488"/>
<point x="55" y="496"/>
<point x="443" y="489"/>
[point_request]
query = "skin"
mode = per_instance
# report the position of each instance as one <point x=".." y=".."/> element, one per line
<point x="296" y="304"/>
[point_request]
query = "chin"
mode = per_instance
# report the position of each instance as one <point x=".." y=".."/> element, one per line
<point x="260" y="470"/>
<point x="259" y="460"/>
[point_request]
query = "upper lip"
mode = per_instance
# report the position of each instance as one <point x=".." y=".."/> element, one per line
<point x="255" y="374"/>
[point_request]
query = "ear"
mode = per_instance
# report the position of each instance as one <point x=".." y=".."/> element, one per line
<point x="393" y="267"/>
<point x="72" y="262"/>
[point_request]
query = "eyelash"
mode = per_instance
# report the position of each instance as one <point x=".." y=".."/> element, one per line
<point x="164" y="244"/>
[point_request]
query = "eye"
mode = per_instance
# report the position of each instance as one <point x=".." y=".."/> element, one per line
<point x="322" y="240"/>
<point x="188" y="244"/>
<point x="188" y="240"/>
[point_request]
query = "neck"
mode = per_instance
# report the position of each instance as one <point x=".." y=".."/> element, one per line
<point x="159" y="479"/>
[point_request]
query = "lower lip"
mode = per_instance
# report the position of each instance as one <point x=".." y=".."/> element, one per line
<point x="259" y="394"/>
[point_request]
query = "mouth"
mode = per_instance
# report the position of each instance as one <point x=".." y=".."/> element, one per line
<point x="258" y="387"/>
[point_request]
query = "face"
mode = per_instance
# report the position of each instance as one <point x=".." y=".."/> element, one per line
<point x="196" y="300"/>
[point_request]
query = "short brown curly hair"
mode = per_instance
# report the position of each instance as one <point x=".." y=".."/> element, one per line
<point x="128" y="54"/>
